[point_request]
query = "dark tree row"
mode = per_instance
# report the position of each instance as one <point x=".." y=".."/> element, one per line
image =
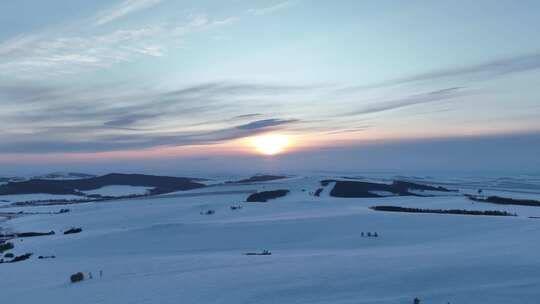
<point x="504" y="200"/>
<point x="442" y="211"/>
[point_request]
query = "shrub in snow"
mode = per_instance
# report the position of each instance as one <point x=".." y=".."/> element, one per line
<point x="9" y="255"/>
<point x="267" y="195"/>
<point x="264" y="252"/>
<point x="19" y="258"/>
<point x="33" y="234"/>
<point x="77" y="277"/>
<point x="73" y="230"/>
<point x="6" y="246"/>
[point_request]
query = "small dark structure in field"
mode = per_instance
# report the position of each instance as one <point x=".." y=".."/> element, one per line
<point x="76" y="277"/>
<point x="504" y="201"/>
<point x="46" y="257"/>
<point x="370" y="234"/>
<point x="264" y="252"/>
<point x="236" y="207"/>
<point x="73" y="230"/>
<point x="63" y="211"/>
<point x="208" y="212"/>
<point x="442" y="211"/>
<point x="9" y="255"/>
<point x="318" y="192"/>
<point x="267" y="195"/>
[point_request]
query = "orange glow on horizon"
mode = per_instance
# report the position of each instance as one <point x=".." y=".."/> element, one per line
<point x="270" y="144"/>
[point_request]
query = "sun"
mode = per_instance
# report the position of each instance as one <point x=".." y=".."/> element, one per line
<point x="270" y="144"/>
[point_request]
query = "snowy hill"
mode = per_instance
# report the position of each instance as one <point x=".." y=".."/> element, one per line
<point x="64" y="175"/>
<point x="159" y="184"/>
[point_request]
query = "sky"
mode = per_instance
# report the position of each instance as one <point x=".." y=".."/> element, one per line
<point x="173" y="86"/>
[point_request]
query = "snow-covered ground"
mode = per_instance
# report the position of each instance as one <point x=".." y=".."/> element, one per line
<point x="383" y="193"/>
<point x="162" y="250"/>
<point x="119" y="190"/>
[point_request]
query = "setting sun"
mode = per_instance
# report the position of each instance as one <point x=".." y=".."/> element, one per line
<point x="270" y="144"/>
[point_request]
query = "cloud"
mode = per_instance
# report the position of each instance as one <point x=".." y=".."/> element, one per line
<point x="265" y="123"/>
<point x="39" y="118"/>
<point x="122" y="9"/>
<point x="15" y="44"/>
<point x="245" y="116"/>
<point x="39" y="104"/>
<point x="200" y="23"/>
<point x="349" y="130"/>
<point x="493" y="68"/>
<point x="231" y="88"/>
<point x="481" y="71"/>
<point x="128" y="120"/>
<point x="58" y="54"/>
<point x="91" y="119"/>
<point x="269" y="9"/>
<point x="61" y="143"/>
<point x="429" y="97"/>
<point x="22" y="93"/>
<point x="151" y="50"/>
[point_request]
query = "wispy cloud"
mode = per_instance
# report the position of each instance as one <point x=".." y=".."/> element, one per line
<point x="17" y="43"/>
<point x="266" y="123"/>
<point x="480" y="71"/>
<point x="122" y="9"/>
<point x="429" y="97"/>
<point x="127" y="120"/>
<point x="201" y="22"/>
<point x="56" y="119"/>
<point x="269" y="9"/>
<point x="36" y="143"/>
<point x="232" y="88"/>
<point x="49" y="119"/>
<point x="46" y="55"/>
<point x="69" y="54"/>
<point x="245" y="116"/>
<point x="349" y="130"/>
